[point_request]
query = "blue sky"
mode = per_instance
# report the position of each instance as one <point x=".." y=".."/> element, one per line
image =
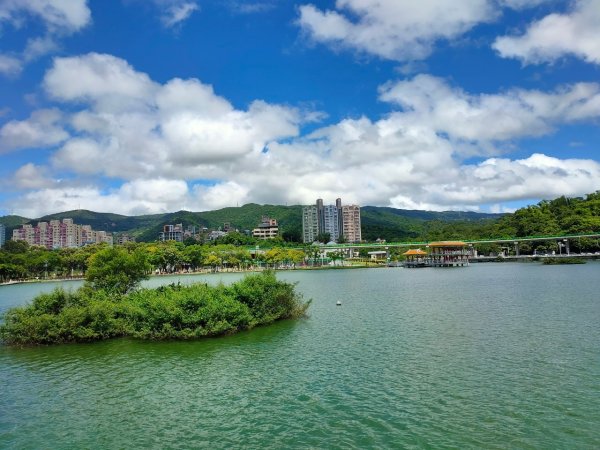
<point x="144" y="106"/>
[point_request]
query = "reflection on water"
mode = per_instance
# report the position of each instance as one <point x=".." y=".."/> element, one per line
<point x="493" y="356"/>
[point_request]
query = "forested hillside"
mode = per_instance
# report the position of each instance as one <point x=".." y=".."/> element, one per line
<point x="549" y="217"/>
<point x="562" y="216"/>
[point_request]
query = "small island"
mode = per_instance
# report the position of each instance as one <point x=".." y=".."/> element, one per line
<point x="112" y="305"/>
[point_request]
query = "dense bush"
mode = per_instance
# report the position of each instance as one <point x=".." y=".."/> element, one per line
<point x="168" y="312"/>
<point x="563" y="260"/>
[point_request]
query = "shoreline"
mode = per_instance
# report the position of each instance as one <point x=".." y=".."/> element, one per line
<point x="303" y="268"/>
<point x="202" y="272"/>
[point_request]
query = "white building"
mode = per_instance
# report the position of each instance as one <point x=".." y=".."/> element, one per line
<point x="335" y="220"/>
<point x="267" y="229"/>
<point x="310" y="224"/>
<point x="171" y="233"/>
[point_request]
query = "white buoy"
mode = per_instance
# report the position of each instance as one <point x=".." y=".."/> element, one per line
<point x="339" y="303"/>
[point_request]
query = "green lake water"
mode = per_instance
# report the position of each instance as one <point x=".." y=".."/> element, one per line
<point x="489" y="356"/>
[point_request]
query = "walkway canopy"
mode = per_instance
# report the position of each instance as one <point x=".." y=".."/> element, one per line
<point x="447" y="244"/>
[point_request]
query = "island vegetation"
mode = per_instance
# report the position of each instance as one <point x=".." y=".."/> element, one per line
<point x="111" y="304"/>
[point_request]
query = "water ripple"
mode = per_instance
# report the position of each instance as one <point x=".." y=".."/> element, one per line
<point x="413" y="359"/>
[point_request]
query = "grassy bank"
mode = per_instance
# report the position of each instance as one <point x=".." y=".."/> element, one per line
<point x="167" y="312"/>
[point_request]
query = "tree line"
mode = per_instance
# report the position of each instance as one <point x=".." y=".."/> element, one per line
<point x="18" y="260"/>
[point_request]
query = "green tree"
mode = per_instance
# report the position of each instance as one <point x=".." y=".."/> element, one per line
<point x="324" y="237"/>
<point x="116" y="270"/>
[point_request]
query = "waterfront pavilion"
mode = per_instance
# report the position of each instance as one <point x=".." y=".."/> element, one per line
<point x="448" y="254"/>
<point x="415" y="257"/>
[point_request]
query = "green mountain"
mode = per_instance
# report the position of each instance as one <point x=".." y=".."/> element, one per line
<point x="403" y="224"/>
<point x="377" y="222"/>
<point x="13" y="221"/>
<point x="549" y="217"/>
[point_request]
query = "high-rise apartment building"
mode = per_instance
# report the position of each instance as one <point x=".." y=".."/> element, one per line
<point x="335" y="220"/>
<point x="310" y="223"/>
<point x="351" y="223"/>
<point x="2" y="235"/>
<point x="331" y="224"/>
<point x="60" y="234"/>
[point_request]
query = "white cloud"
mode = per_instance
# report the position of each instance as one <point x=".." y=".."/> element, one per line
<point x="400" y="30"/>
<point x="179" y="144"/>
<point x="60" y="18"/>
<point x="574" y="33"/>
<point x="31" y="176"/>
<point x="538" y="176"/>
<point x="143" y="196"/>
<point x="138" y="197"/>
<point x="42" y="129"/>
<point x="173" y="13"/>
<point x="108" y="82"/>
<point x="394" y="29"/>
<point x="498" y="208"/>
<point x="39" y="46"/>
<point x="221" y="195"/>
<point x="490" y="117"/>
<point x="179" y="129"/>
<point x="9" y="65"/>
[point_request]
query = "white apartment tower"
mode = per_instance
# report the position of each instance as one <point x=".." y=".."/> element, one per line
<point x="310" y="223"/>
<point x="336" y="220"/>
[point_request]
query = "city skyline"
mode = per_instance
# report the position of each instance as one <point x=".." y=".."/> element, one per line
<point x="138" y="107"/>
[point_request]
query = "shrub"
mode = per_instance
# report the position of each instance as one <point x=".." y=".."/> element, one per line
<point x="168" y="312"/>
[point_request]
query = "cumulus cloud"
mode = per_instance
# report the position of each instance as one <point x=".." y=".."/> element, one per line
<point x="179" y="144"/>
<point x="32" y="176"/>
<point x="110" y="83"/>
<point x="137" y="197"/>
<point x="142" y="196"/>
<point x="394" y="29"/>
<point x="398" y="182"/>
<point x="60" y="18"/>
<point x="42" y="129"/>
<point x="574" y="33"/>
<point x="538" y="176"/>
<point x="490" y="117"/>
<point x="177" y="129"/>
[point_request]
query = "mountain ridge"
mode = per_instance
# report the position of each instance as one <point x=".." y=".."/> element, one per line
<point x="385" y="222"/>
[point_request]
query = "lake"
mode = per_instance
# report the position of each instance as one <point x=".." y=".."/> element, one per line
<point x="498" y="355"/>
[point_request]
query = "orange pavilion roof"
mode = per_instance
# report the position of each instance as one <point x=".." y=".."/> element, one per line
<point x="447" y="244"/>
<point x="415" y="252"/>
